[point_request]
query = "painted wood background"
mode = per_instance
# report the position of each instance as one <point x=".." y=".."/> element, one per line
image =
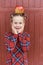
<point x="34" y="25"/>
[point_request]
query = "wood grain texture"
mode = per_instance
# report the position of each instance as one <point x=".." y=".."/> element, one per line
<point x="34" y="25"/>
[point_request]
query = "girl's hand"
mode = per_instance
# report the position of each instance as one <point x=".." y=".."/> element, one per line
<point x="16" y="31"/>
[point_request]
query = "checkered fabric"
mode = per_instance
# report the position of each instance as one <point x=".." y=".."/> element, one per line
<point x="17" y="46"/>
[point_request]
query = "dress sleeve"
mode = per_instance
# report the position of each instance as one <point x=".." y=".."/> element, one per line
<point x="10" y="42"/>
<point x="8" y="58"/>
<point x="25" y="42"/>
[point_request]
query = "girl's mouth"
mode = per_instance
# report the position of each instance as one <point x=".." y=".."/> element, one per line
<point x="17" y="27"/>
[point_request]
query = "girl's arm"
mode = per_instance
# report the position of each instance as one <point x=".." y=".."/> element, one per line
<point x="25" y="42"/>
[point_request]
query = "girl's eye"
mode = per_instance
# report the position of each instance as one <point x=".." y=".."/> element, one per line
<point x="20" y="22"/>
<point x="15" y="22"/>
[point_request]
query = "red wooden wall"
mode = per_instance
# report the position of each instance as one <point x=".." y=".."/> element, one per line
<point x="34" y="10"/>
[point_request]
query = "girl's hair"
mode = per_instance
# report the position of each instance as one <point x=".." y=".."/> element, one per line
<point x="22" y="15"/>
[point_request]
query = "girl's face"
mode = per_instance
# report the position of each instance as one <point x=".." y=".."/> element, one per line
<point x="17" y="24"/>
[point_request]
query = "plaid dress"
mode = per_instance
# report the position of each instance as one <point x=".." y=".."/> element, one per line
<point x="17" y="46"/>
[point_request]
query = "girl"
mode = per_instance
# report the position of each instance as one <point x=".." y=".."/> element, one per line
<point x="17" y="41"/>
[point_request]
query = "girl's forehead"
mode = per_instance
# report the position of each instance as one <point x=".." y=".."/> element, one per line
<point x="18" y="18"/>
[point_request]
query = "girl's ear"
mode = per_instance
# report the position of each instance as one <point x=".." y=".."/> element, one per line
<point x="25" y="18"/>
<point x="11" y="20"/>
<point x="11" y="16"/>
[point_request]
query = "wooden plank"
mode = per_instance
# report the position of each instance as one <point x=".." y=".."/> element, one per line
<point x="41" y="3"/>
<point x="26" y="3"/>
<point x="19" y="2"/>
<point x="41" y="39"/>
<point x="31" y="3"/>
<point x="37" y="38"/>
<point x="37" y="3"/>
<point x="31" y="29"/>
